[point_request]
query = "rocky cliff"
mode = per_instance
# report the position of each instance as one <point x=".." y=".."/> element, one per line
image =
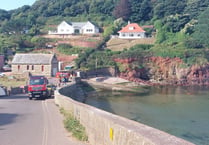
<point x="158" y="70"/>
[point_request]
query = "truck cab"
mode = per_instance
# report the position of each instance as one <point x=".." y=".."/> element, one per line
<point x="37" y="87"/>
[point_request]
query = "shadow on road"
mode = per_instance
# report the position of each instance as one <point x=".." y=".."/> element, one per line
<point x="7" y="118"/>
<point x="19" y="96"/>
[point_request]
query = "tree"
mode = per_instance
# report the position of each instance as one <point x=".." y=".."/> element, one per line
<point x="201" y="33"/>
<point x="4" y="15"/>
<point x="39" y="42"/>
<point x="159" y="11"/>
<point x="135" y="9"/>
<point x="122" y="10"/>
<point x="145" y="10"/>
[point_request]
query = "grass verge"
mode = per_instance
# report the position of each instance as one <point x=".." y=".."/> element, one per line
<point x="5" y="81"/>
<point x="74" y="126"/>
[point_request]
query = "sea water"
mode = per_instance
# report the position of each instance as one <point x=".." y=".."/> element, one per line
<point x="180" y="111"/>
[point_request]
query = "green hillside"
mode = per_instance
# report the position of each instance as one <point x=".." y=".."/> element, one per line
<point x="181" y="26"/>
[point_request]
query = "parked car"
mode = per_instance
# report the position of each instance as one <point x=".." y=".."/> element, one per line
<point x="2" y="74"/>
<point x="51" y="88"/>
<point x="7" y="68"/>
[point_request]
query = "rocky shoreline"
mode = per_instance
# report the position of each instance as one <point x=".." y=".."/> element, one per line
<point x="164" y="71"/>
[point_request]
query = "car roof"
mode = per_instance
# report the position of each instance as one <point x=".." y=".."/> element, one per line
<point x="31" y="77"/>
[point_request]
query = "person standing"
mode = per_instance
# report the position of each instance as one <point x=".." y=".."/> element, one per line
<point x="9" y="89"/>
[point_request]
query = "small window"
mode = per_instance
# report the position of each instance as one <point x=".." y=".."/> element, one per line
<point x="89" y="30"/>
<point x="42" y="68"/>
<point x="18" y="67"/>
<point x="28" y="67"/>
<point x="32" y="67"/>
<point x="131" y="28"/>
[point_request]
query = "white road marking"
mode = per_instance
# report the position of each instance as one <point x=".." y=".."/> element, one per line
<point x="45" y="133"/>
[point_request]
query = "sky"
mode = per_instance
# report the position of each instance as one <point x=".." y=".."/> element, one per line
<point x="14" y="4"/>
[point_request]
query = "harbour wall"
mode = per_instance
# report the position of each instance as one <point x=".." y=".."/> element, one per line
<point x="104" y="128"/>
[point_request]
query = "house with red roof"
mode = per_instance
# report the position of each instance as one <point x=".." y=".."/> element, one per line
<point x="132" y="31"/>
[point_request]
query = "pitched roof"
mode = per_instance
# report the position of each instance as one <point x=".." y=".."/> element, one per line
<point x="148" y="26"/>
<point x="133" y="27"/>
<point x="32" y="58"/>
<point x="77" y="24"/>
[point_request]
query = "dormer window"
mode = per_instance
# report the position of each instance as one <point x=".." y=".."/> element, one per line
<point x="131" y="28"/>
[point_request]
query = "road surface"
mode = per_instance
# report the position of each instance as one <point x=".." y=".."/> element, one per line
<point x="32" y="122"/>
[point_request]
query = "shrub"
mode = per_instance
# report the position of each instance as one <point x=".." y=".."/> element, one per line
<point x="74" y="126"/>
<point x="64" y="48"/>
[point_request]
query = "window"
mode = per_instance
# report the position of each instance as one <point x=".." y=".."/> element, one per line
<point x="32" y="67"/>
<point x="131" y="35"/>
<point x="42" y="68"/>
<point x="18" y="67"/>
<point x="89" y="30"/>
<point x="37" y="81"/>
<point x="27" y="67"/>
<point x="131" y="28"/>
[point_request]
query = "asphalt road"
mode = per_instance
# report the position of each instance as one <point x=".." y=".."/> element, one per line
<point x="32" y="122"/>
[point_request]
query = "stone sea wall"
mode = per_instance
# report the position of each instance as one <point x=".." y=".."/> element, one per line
<point x="104" y="128"/>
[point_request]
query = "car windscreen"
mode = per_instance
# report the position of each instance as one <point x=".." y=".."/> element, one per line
<point x="36" y="82"/>
<point x="63" y="75"/>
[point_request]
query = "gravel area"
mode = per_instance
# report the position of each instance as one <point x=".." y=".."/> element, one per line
<point x="109" y="80"/>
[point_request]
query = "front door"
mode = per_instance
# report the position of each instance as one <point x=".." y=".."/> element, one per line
<point x="54" y="71"/>
<point x="77" y="31"/>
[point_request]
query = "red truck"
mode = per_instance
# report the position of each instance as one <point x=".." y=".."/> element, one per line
<point x="37" y="87"/>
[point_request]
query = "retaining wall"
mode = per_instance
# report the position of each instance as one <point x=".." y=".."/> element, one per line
<point x="104" y="128"/>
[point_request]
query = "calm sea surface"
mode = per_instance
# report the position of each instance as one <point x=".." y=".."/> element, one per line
<point x="180" y="111"/>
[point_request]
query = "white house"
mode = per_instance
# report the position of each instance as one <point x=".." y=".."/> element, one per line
<point x="65" y="28"/>
<point x="131" y="31"/>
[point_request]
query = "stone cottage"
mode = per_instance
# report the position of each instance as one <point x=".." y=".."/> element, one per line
<point x="36" y="64"/>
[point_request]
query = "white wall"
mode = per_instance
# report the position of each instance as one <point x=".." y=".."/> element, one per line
<point x="65" y="28"/>
<point x="134" y="35"/>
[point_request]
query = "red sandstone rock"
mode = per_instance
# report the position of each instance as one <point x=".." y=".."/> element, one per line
<point x="166" y="71"/>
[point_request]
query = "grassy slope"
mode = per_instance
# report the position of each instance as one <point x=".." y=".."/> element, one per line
<point x="116" y="44"/>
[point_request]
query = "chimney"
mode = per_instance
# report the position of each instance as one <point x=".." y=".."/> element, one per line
<point x="129" y="22"/>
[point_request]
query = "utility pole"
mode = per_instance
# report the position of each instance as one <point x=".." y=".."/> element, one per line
<point x="96" y="65"/>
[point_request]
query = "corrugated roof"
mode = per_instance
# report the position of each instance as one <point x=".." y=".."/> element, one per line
<point x="133" y="27"/>
<point x="34" y="58"/>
